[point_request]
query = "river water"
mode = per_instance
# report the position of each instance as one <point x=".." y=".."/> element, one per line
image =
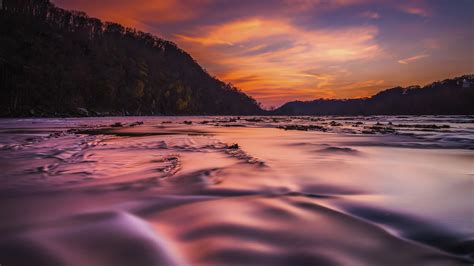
<point x="237" y="191"/>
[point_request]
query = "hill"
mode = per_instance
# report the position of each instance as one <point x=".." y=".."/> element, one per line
<point x="55" y="62"/>
<point x="448" y="97"/>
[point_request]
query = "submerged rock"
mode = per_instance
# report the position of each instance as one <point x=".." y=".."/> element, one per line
<point x="303" y="127"/>
<point x="233" y="146"/>
<point x="136" y="123"/>
<point x="425" y="126"/>
<point x="381" y="129"/>
<point x="254" y="119"/>
<point x="117" y="124"/>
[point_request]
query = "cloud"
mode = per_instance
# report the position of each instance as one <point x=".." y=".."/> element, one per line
<point x="282" y="50"/>
<point x="139" y="13"/>
<point x="408" y="60"/>
<point x="417" y="11"/>
<point x="238" y="32"/>
<point x="344" y="44"/>
<point x="256" y="54"/>
<point x="370" y="15"/>
<point x="431" y="43"/>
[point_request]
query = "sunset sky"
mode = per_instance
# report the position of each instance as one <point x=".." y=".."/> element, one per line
<point x="278" y="51"/>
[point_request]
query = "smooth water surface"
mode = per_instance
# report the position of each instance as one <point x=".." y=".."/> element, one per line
<point x="292" y="191"/>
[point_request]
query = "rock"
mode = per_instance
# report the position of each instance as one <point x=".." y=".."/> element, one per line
<point x="254" y="119"/>
<point x="117" y="124"/>
<point x="382" y="130"/>
<point x="233" y="146"/>
<point x="432" y="126"/>
<point x="303" y="127"/>
<point x="136" y="123"/>
<point x="82" y="111"/>
<point x="367" y="132"/>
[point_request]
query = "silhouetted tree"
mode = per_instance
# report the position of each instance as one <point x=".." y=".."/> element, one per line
<point x="53" y="61"/>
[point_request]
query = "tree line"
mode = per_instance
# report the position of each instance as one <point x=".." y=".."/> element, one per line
<point x="59" y="62"/>
<point x="448" y="97"/>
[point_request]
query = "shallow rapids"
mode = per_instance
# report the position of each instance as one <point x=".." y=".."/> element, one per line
<point x="237" y="191"/>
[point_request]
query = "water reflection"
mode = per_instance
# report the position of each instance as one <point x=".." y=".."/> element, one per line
<point x="77" y="191"/>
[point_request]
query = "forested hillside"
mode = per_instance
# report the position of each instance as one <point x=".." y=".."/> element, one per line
<point x="447" y="97"/>
<point x="59" y="62"/>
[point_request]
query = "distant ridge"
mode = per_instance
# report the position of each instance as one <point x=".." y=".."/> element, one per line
<point x="55" y="62"/>
<point x="448" y="97"/>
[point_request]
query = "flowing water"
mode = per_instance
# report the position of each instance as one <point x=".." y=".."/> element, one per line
<point x="237" y="191"/>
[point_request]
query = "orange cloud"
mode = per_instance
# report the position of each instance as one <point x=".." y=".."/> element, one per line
<point x="351" y="89"/>
<point x="263" y="55"/>
<point x="412" y="58"/>
<point x="417" y="11"/>
<point x="138" y="13"/>
<point x="285" y="50"/>
<point x="238" y="32"/>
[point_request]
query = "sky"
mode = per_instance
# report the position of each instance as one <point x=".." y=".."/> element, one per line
<point x="284" y="50"/>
